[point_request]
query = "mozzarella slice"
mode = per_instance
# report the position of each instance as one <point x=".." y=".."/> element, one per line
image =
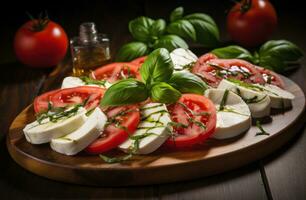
<point x="38" y="133"/>
<point x="234" y="119"/>
<point x="260" y="107"/>
<point x="153" y="127"/>
<point x="70" y="82"/>
<point x="182" y="58"/>
<point x="279" y="98"/>
<point x="78" y="140"/>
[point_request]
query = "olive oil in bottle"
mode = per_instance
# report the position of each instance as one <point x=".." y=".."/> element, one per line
<point x="89" y="50"/>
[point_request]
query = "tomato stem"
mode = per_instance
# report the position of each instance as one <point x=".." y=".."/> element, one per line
<point x="245" y="5"/>
<point x="40" y="23"/>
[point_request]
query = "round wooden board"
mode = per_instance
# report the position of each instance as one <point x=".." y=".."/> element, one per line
<point x="161" y="166"/>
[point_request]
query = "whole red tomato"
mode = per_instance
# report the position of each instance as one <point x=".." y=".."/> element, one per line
<point x="40" y="43"/>
<point x="251" y="22"/>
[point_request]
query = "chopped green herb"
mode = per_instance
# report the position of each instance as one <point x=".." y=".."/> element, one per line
<point x="251" y="100"/>
<point x="90" y="81"/>
<point x="223" y="101"/>
<point x="112" y="160"/>
<point x="262" y="131"/>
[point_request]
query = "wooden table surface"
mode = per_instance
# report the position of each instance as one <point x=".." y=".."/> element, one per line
<point x="281" y="175"/>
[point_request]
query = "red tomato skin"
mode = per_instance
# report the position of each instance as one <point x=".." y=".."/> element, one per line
<point x="253" y="27"/>
<point x="115" y="136"/>
<point x="41" y="102"/>
<point x="43" y="48"/>
<point x="190" y="141"/>
<point x="139" y="61"/>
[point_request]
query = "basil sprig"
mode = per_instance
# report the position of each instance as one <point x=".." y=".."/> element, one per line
<point x="150" y="34"/>
<point x="159" y="83"/>
<point x="274" y="54"/>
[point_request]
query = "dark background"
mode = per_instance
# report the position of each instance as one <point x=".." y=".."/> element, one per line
<point x="112" y="16"/>
<point x="280" y="175"/>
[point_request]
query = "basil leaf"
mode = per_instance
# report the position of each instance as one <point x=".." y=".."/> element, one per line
<point x="170" y="42"/>
<point x="272" y="63"/>
<point x="131" y="51"/>
<point x="176" y="14"/>
<point x="140" y="28"/>
<point x="283" y="49"/>
<point x="207" y="32"/>
<point x="233" y="51"/>
<point x="158" y="67"/>
<point x="182" y="28"/>
<point x="123" y="92"/>
<point x="158" y="28"/>
<point x="187" y="82"/>
<point x="164" y="93"/>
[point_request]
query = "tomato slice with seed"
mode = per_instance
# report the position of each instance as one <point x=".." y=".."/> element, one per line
<point x="78" y="95"/>
<point x="41" y="102"/>
<point x="194" y="118"/>
<point x="116" y="71"/>
<point x="123" y="121"/>
<point x="213" y="70"/>
<point x="271" y="77"/>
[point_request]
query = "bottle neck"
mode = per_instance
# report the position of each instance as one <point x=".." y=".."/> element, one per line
<point x="88" y="33"/>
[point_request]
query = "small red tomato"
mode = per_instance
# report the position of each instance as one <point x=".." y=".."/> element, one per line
<point x="251" y="22"/>
<point x="40" y="43"/>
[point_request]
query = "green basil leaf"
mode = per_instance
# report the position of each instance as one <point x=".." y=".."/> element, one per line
<point x="140" y="28"/>
<point x="131" y="51"/>
<point x="207" y="32"/>
<point x="164" y="93"/>
<point x="182" y="28"/>
<point x="170" y="42"/>
<point x="158" y="28"/>
<point x="123" y="92"/>
<point x="272" y="63"/>
<point x="176" y="14"/>
<point x="283" y="49"/>
<point x="233" y="51"/>
<point x="187" y="82"/>
<point x="158" y="67"/>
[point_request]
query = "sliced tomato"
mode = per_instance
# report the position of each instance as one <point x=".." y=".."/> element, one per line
<point x="123" y="122"/>
<point x="78" y="95"/>
<point x="213" y="70"/>
<point x="271" y="77"/>
<point x="41" y="102"/>
<point x="139" y="61"/>
<point x="116" y="71"/>
<point x="195" y="116"/>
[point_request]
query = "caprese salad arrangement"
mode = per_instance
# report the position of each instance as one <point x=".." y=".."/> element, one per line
<point x="175" y="100"/>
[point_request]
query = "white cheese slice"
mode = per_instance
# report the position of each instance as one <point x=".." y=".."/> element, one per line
<point x="154" y="124"/>
<point x="279" y="98"/>
<point x="44" y="132"/>
<point x="259" y="108"/>
<point x="234" y="119"/>
<point x="78" y="140"/>
<point x="182" y="58"/>
<point x="70" y="82"/>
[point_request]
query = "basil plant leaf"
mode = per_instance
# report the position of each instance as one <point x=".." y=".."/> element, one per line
<point x="131" y="51"/>
<point x="164" y="93"/>
<point x="176" y="14"/>
<point x="158" y="67"/>
<point x="170" y="42"/>
<point x="158" y="28"/>
<point x="233" y="51"/>
<point x="187" y="82"/>
<point x="140" y="28"/>
<point x="207" y="32"/>
<point x="283" y="49"/>
<point x="182" y="28"/>
<point x="272" y="63"/>
<point x="127" y="91"/>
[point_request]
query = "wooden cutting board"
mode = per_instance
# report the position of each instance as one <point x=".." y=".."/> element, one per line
<point x="161" y="166"/>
